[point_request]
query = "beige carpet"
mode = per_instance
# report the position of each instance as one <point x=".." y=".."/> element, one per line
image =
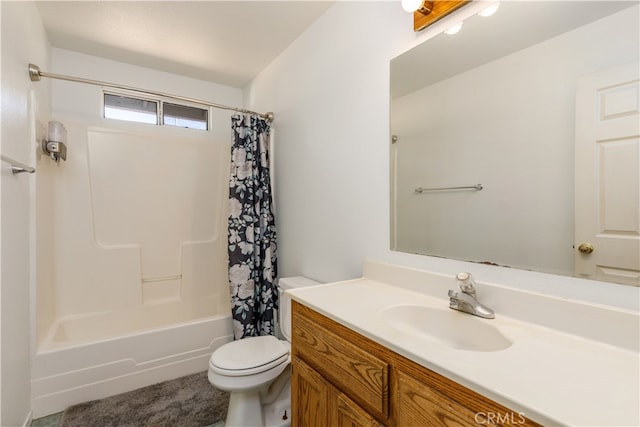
<point x="189" y="401"/>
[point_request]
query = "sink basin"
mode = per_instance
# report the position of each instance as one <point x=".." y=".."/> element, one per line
<point x="453" y="328"/>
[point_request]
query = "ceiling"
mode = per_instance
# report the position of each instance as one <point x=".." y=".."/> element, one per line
<point x="226" y="42"/>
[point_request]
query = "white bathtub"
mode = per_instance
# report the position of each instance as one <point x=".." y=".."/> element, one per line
<point x="90" y="357"/>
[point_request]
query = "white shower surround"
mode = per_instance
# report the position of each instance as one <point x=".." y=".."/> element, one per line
<point x="139" y="281"/>
<point x="131" y="285"/>
<point x="139" y="297"/>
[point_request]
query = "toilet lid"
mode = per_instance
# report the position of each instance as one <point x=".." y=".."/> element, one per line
<point x="249" y="353"/>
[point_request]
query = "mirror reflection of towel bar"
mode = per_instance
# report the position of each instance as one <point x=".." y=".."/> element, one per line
<point x="477" y="187"/>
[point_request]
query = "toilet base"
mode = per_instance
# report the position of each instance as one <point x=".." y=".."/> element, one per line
<point x="268" y="407"/>
<point x="245" y="409"/>
<point x="278" y="413"/>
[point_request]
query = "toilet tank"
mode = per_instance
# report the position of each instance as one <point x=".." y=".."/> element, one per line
<point x="284" y="316"/>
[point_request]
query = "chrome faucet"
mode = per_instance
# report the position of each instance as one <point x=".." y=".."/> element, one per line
<point x="465" y="300"/>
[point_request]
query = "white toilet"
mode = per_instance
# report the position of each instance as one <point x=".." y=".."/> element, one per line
<point x="256" y="371"/>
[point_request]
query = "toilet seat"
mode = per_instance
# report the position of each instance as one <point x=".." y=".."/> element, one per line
<point x="249" y="356"/>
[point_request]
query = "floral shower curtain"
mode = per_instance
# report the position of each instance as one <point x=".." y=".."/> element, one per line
<point x="252" y="233"/>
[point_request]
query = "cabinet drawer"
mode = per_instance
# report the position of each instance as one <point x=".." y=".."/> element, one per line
<point x="420" y="405"/>
<point x="423" y="398"/>
<point x="342" y="359"/>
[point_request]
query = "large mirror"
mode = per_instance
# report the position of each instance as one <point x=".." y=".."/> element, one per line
<point x="534" y="112"/>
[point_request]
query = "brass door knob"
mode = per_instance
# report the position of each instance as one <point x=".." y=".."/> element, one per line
<point x="586" y="248"/>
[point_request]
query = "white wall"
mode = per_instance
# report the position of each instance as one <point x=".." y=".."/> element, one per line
<point x="23" y="105"/>
<point x="514" y="133"/>
<point x="329" y="91"/>
<point x="330" y="94"/>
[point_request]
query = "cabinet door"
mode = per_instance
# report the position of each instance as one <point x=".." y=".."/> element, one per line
<point x="346" y="413"/>
<point x="310" y="394"/>
<point x="315" y="402"/>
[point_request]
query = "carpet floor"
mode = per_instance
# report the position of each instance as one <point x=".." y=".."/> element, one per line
<point x="189" y="401"/>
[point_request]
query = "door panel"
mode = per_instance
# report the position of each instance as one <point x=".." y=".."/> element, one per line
<point x="607" y="175"/>
<point x="310" y="394"/>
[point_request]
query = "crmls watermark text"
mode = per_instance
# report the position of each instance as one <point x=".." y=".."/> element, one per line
<point x="499" y="418"/>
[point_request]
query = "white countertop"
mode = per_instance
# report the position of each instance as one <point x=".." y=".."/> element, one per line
<point x="551" y="376"/>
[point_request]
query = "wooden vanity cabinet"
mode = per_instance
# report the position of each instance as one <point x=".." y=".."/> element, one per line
<point x="341" y="378"/>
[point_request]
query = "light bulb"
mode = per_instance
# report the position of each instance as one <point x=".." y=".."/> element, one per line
<point x="411" y="5"/>
<point x="490" y="10"/>
<point x="454" y="29"/>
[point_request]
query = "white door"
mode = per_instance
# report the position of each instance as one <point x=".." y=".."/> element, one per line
<point x="394" y="192"/>
<point x="607" y="176"/>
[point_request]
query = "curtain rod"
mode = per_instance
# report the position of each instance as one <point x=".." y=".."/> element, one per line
<point x="35" y="75"/>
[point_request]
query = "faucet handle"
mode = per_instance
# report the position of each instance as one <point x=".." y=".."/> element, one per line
<point x="463" y="276"/>
<point x="466" y="283"/>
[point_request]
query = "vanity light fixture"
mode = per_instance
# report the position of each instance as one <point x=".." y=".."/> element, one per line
<point x="489" y="10"/>
<point x="427" y="12"/>
<point x="55" y="144"/>
<point x="454" y="29"/>
<point x="423" y="6"/>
